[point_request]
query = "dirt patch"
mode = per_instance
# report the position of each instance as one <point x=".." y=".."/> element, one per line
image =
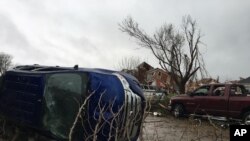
<point x="165" y="128"/>
<point x="184" y="129"/>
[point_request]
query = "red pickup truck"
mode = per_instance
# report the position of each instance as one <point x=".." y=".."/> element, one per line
<point x="230" y="101"/>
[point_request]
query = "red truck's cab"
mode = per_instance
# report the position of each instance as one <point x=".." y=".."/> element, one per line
<point x="224" y="100"/>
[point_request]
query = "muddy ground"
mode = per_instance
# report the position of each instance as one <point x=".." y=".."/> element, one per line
<point x="184" y="129"/>
<point x="168" y="128"/>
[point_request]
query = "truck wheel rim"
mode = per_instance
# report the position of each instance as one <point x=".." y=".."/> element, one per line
<point x="176" y="112"/>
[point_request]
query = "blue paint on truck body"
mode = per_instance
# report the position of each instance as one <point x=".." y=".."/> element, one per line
<point x="25" y="89"/>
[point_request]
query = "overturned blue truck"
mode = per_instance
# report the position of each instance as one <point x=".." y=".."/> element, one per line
<point x="71" y="103"/>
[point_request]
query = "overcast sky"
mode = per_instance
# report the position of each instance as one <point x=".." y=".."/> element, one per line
<point x="86" y="32"/>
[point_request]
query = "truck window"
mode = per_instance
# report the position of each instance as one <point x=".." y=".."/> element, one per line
<point x="218" y="91"/>
<point x="202" y="91"/>
<point x="237" y="90"/>
<point x="63" y="94"/>
<point x="247" y="88"/>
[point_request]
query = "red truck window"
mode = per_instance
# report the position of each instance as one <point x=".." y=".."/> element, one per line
<point x="202" y="91"/>
<point x="237" y="90"/>
<point x="218" y="90"/>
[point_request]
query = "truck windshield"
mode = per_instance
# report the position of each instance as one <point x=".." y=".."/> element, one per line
<point x="63" y="94"/>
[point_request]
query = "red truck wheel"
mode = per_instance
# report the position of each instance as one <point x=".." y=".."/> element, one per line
<point x="178" y="110"/>
<point x="246" y="118"/>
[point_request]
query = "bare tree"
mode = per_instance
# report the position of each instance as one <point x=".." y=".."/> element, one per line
<point x="5" y="62"/>
<point x="178" y="52"/>
<point x="129" y="63"/>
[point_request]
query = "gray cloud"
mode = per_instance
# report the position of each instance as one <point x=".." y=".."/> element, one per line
<point x="86" y="32"/>
<point x="14" y="42"/>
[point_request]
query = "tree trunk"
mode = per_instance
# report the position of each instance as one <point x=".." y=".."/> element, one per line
<point x="182" y="88"/>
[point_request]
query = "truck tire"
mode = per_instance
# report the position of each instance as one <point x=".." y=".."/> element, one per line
<point x="178" y="110"/>
<point x="246" y="118"/>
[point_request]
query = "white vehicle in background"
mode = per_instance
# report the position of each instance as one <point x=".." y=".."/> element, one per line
<point x="153" y="94"/>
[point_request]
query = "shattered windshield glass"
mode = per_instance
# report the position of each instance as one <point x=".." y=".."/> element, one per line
<point x="63" y="94"/>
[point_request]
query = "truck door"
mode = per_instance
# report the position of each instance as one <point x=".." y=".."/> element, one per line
<point x="217" y="101"/>
<point x="198" y="100"/>
<point x="237" y="98"/>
